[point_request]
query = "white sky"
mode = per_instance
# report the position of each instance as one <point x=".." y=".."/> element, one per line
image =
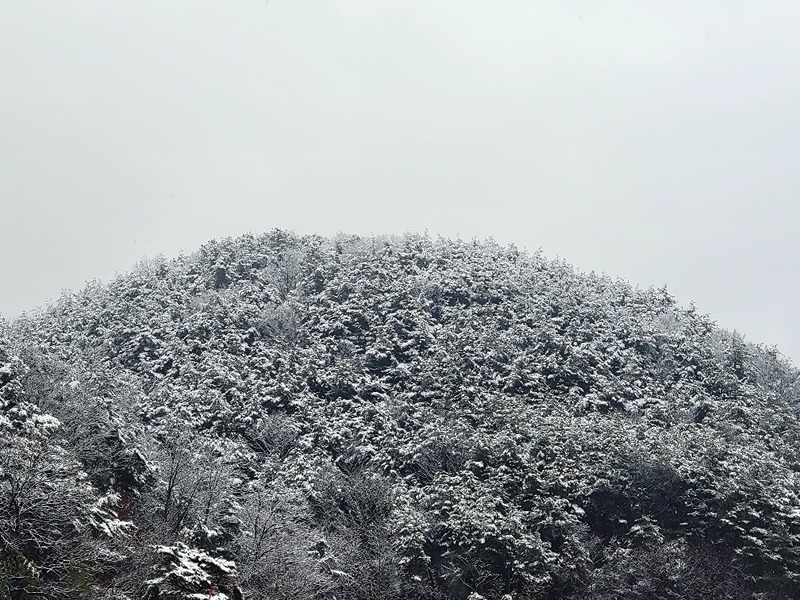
<point x="655" y="141"/>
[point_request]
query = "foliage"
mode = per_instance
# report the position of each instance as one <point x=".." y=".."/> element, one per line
<point x="287" y="417"/>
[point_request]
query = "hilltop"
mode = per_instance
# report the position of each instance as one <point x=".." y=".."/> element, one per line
<point x="294" y="417"/>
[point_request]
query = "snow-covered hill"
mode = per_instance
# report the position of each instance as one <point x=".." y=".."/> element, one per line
<point x="286" y="417"/>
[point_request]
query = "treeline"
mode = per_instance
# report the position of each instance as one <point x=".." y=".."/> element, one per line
<point x="299" y="418"/>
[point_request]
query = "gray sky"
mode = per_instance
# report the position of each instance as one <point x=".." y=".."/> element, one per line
<point x="655" y="141"/>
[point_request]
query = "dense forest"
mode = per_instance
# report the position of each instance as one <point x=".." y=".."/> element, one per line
<point x="284" y="417"/>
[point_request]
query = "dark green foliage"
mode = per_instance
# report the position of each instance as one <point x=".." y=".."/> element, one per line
<point x="294" y="418"/>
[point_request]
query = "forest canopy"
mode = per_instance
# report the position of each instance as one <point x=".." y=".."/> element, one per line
<point x="292" y="417"/>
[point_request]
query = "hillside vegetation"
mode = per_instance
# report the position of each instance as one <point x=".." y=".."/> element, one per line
<point x="297" y="418"/>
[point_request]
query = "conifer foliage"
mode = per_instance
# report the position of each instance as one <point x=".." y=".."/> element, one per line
<point x="280" y="417"/>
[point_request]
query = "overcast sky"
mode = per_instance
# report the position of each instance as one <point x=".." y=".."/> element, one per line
<point x="654" y="141"/>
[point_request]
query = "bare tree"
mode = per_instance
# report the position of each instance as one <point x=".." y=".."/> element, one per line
<point x="278" y="554"/>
